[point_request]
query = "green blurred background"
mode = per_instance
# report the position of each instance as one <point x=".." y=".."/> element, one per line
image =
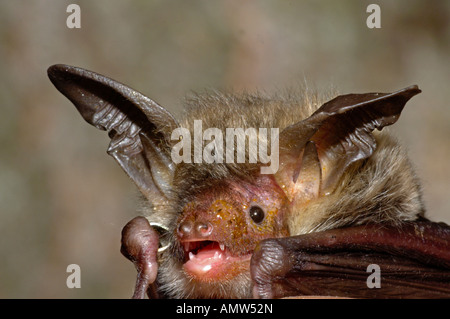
<point x="53" y="164"/>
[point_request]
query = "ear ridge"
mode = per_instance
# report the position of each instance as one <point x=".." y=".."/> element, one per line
<point x="139" y="128"/>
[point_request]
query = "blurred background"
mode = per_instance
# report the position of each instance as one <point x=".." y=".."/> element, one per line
<point x="63" y="200"/>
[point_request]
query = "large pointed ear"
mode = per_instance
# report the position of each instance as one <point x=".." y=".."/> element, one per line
<point x="139" y="128"/>
<point x="315" y="153"/>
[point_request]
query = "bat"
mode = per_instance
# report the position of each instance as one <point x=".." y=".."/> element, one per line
<point x="223" y="219"/>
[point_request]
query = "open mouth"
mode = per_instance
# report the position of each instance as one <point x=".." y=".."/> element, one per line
<point x="202" y="250"/>
<point x="210" y="260"/>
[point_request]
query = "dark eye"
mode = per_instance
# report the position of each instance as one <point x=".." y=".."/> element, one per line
<point x="257" y="214"/>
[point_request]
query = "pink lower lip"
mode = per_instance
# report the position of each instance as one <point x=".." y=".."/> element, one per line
<point x="211" y="263"/>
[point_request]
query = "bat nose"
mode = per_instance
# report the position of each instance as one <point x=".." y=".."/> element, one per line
<point x="197" y="229"/>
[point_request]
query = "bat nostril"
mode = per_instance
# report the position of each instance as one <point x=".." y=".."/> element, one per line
<point x="203" y="229"/>
<point x="185" y="229"/>
<point x="194" y="229"/>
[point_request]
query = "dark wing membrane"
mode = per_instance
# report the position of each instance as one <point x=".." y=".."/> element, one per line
<point x="413" y="261"/>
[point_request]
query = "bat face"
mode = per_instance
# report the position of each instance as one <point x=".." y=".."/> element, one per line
<point x="231" y="228"/>
<point x="220" y="226"/>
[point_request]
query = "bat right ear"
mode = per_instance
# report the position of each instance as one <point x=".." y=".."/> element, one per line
<point x="139" y="128"/>
<point x="315" y="153"/>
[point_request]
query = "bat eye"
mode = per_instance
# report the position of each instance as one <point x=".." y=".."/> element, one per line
<point x="257" y="214"/>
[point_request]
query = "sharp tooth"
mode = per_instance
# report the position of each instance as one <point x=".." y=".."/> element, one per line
<point x="222" y="247"/>
<point x="191" y="255"/>
<point x="187" y="246"/>
<point x="216" y="255"/>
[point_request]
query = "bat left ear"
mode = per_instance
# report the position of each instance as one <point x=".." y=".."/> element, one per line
<point x="315" y="152"/>
<point x="139" y="128"/>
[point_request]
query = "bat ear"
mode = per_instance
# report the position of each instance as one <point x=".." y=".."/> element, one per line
<point x="139" y="128"/>
<point x="315" y="152"/>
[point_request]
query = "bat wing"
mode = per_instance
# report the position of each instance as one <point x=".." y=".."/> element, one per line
<point x="371" y="261"/>
<point x="138" y="127"/>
